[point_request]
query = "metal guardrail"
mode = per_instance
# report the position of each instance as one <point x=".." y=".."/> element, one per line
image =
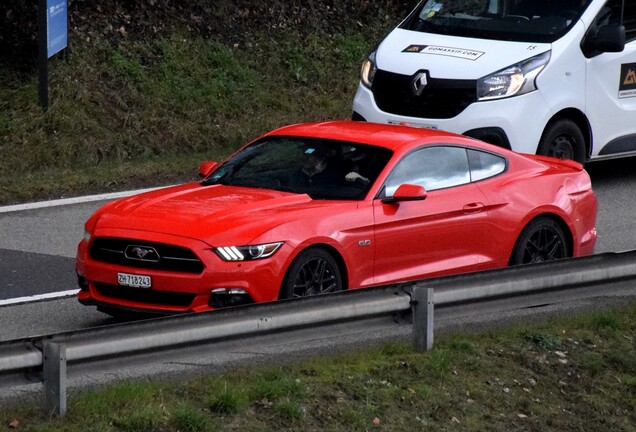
<point x="46" y="359"/>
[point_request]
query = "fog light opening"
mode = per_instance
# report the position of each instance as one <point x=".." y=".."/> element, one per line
<point x="228" y="297"/>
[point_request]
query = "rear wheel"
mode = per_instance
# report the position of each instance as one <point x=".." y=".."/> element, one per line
<point x="563" y="139"/>
<point x="541" y="240"/>
<point x="314" y="271"/>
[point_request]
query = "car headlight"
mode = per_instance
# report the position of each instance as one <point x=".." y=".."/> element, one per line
<point x="247" y="253"/>
<point x="514" y="80"/>
<point x="367" y="70"/>
<point x="87" y="236"/>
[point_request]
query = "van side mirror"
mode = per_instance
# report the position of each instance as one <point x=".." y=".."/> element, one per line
<point x="610" y="38"/>
<point x="406" y="192"/>
<point x="607" y="38"/>
<point x="206" y="168"/>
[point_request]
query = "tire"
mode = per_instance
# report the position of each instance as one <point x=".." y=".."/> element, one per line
<point x="541" y="240"/>
<point x="314" y="271"/>
<point x="563" y="139"/>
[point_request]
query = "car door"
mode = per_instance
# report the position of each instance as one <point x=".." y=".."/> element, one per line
<point x="439" y="235"/>
<point x="611" y="86"/>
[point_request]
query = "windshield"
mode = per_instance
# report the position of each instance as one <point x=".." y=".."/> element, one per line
<point x="323" y="169"/>
<point x="514" y="20"/>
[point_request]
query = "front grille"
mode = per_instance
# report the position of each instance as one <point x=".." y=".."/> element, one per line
<point x="167" y="257"/>
<point x="144" y="295"/>
<point x="441" y="98"/>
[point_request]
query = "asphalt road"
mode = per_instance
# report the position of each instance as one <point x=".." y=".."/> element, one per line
<point x="37" y="247"/>
<point x="614" y="182"/>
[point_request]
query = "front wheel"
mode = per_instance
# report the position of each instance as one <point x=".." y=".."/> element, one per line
<point x="314" y="271"/>
<point x="563" y="139"/>
<point x="541" y="240"/>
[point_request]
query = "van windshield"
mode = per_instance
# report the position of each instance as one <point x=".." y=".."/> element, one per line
<point x="533" y="21"/>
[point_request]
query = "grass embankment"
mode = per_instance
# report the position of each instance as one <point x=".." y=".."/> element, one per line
<point x="132" y="105"/>
<point x="150" y="114"/>
<point x="570" y="374"/>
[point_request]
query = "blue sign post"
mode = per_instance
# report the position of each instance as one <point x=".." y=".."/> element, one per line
<point x="57" y="26"/>
<point x="53" y="38"/>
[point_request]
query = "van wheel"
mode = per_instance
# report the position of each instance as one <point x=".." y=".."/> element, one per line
<point x="314" y="271"/>
<point x="563" y="139"/>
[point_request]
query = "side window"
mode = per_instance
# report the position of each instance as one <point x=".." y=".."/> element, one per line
<point x="611" y="14"/>
<point x="431" y="167"/>
<point x="629" y="20"/>
<point x="484" y="165"/>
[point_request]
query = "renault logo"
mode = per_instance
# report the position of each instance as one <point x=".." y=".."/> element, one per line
<point x="142" y="253"/>
<point x="418" y="83"/>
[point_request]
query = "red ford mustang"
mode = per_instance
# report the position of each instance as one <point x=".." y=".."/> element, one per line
<point x="323" y="207"/>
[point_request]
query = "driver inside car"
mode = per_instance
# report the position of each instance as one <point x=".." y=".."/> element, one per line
<point x="317" y="168"/>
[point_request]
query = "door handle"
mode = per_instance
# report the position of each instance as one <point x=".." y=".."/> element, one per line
<point x="473" y="207"/>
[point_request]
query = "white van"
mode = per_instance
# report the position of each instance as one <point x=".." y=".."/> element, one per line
<point x="553" y="77"/>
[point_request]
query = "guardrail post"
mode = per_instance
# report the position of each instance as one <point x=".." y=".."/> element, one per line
<point x="54" y="366"/>
<point x="422" y="306"/>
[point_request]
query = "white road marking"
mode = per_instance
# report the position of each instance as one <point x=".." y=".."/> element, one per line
<point x="54" y="203"/>
<point x="75" y="200"/>
<point x="38" y="297"/>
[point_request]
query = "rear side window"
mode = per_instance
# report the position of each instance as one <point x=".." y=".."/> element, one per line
<point x="484" y="165"/>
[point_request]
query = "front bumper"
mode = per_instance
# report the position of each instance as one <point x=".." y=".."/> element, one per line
<point x="219" y="284"/>
<point x="518" y="121"/>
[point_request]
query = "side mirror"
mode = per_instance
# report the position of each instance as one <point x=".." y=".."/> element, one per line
<point x="206" y="168"/>
<point x="610" y="38"/>
<point x="607" y="38"/>
<point x="406" y="192"/>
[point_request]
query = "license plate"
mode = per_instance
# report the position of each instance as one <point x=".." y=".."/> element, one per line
<point x="136" y="281"/>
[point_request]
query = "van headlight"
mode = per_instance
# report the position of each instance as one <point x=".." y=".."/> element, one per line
<point x="514" y="80"/>
<point x="367" y="70"/>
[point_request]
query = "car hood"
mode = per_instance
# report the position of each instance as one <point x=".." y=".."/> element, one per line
<point x="450" y="57"/>
<point x="208" y="213"/>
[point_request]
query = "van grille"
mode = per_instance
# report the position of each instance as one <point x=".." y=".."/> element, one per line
<point x="441" y="98"/>
<point x="160" y="256"/>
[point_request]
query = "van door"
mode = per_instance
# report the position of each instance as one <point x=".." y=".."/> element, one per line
<point x="611" y="86"/>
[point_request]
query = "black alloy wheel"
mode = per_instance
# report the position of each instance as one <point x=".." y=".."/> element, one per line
<point x="314" y="271"/>
<point x="541" y="240"/>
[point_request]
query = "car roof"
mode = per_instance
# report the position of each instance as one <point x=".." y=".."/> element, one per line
<point x="392" y="137"/>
